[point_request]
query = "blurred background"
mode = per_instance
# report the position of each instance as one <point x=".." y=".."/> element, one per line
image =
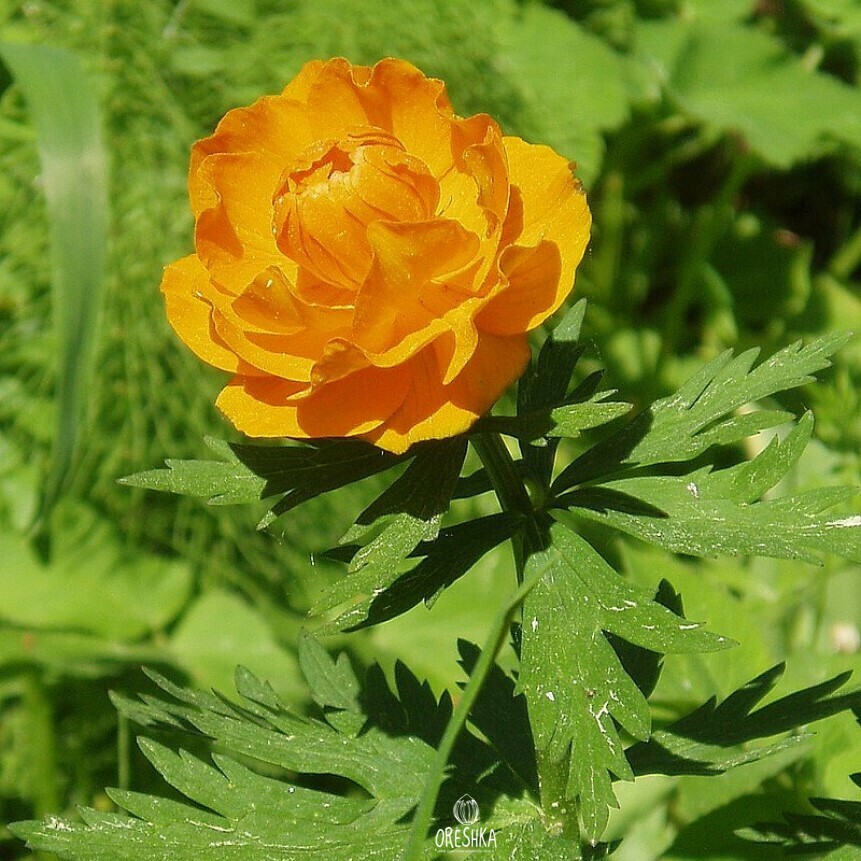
<point x="720" y="145"/>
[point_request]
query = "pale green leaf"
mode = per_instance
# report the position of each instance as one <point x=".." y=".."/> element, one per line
<point x="736" y="78"/>
<point x="573" y="99"/>
<point x="219" y="631"/>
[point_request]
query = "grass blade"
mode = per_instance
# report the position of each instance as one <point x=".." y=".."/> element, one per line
<point x="62" y="104"/>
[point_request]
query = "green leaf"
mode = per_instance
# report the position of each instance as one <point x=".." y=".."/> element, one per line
<point x="501" y="716"/>
<point x="545" y="385"/>
<point x="688" y="515"/>
<point x="383" y="766"/>
<point x="546" y="410"/>
<point x="302" y="472"/>
<point x="564" y="421"/>
<point x="703" y="412"/>
<point x="137" y="595"/>
<point x="447" y="558"/>
<point x="572" y="100"/>
<point x="837" y="825"/>
<point x="236" y="813"/>
<point x="528" y="840"/>
<point x="247" y="473"/>
<point x="737" y="79"/>
<point x="225" y="482"/>
<point x="575" y="685"/>
<point x="62" y="103"/>
<point x="227" y="808"/>
<point x="715" y="737"/>
<point x="407" y="513"/>
<point x="644" y="665"/>
<point x="334" y="686"/>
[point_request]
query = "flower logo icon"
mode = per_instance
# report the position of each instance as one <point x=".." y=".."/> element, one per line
<point x="466" y="810"/>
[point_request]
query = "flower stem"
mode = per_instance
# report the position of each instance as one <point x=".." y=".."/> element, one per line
<point x="495" y="639"/>
<point x="512" y="494"/>
<point x="560" y="816"/>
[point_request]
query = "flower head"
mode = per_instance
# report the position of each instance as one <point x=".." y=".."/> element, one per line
<point x="366" y="262"/>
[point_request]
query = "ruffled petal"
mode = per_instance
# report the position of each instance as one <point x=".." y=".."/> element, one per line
<point x="183" y="285"/>
<point x="355" y="405"/>
<point x="432" y="410"/>
<point x="258" y="406"/>
<point x="551" y="207"/>
<point x="530" y="291"/>
<point x="411" y="262"/>
<point x="274" y="127"/>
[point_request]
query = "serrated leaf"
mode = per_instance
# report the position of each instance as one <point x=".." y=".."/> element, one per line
<point x="574" y="683"/>
<point x="303" y="472"/>
<point x="250" y="472"/>
<point x="447" y="558"/>
<point x="253" y="817"/>
<point x="334" y="686"/>
<point x="502" y="718"/>
<point x="686" y="424"/>
<point x="644" y="665"/>
<point x="230" y="810"/>
<point x="385" y="767"/>
<point x="565" y="421"/>
<point x="407" y="513"/>
<point x="685" y="515"/>
<point x="715" y="736"/>
<point x="225" y="482"/>
<point x="545" y="384"/>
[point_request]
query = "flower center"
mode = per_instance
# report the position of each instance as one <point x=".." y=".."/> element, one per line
<point x="327" y="199"/>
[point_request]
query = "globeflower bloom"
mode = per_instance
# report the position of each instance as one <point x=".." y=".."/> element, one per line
<point x="366" y="262"/>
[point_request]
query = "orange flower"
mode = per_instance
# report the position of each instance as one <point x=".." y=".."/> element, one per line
<point x="367" y="263"/>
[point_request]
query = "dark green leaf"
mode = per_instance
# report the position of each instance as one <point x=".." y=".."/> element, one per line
<point x="575" y="685"/>
<point x="250" y="472"/>
<point x="713" y="738"/>
<point x="683" y="426"/>
<point x="408" y="512"/>
<point x="447" y="558"/>
<point x="502" y="718"/>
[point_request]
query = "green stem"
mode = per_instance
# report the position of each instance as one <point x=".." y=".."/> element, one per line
<point x="847" y="258"/>
<point x="495" y="639"/>
<point x="513" y="496"/>
<point x="560" y="817"/>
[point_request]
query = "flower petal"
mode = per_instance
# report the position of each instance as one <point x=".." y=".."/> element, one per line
<point x="357" y="404"/>
<point x="183" y="285"/>
<point x="432" y="410"/>
<point x="530" y="291"/>
<point x="274" y="127"/>
<point x="411" y="262"/>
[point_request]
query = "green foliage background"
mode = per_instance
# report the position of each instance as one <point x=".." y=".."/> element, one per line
<point x="719" y="144"/>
